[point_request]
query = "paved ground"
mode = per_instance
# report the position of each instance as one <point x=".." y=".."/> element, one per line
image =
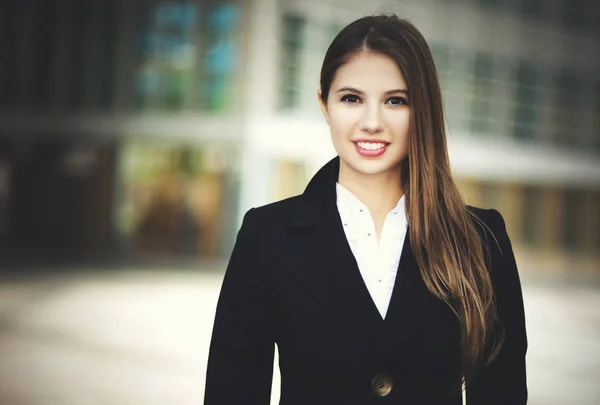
<point x="141" y="338"/>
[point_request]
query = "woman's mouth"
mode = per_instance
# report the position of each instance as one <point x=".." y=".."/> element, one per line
<point x="371" y="148"/>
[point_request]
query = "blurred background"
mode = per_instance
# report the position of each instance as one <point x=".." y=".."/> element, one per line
<point x="135" y="134"/>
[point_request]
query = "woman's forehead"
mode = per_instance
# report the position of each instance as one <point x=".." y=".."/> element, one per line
<point x="370" y="71"/>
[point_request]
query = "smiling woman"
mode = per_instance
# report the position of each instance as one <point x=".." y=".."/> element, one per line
<point x="378" y="281"/>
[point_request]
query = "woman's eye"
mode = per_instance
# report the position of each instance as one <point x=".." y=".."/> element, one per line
<point x="350" y="98"/>
<point x="397" y="101"/>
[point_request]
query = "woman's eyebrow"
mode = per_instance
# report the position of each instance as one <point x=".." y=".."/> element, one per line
<point x="353" y="90"/>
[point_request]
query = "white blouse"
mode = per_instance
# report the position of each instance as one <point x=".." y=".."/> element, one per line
<point x="377" y="262"/>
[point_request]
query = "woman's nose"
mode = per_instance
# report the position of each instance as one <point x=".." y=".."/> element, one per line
<point x="372" y="120"/>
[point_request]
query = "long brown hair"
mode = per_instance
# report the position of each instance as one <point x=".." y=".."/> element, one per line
<point x="443" y="233"/>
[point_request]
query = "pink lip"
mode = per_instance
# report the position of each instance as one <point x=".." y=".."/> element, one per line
<point x="370" y="152"/>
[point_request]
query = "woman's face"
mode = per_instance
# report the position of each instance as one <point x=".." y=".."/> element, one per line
<point x="369" y="115"/>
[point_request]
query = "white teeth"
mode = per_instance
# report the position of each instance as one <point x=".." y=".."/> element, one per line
<point x="370" y="145"/>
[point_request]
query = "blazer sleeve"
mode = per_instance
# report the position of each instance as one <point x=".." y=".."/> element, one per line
<point x="240" y="362"/>
<point x="504" y="380"/>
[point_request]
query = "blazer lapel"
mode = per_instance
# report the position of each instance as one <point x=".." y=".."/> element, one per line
<point x="315" y="249"/>
<point x="411" y="305"/>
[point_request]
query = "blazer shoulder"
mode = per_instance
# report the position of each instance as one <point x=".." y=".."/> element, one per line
<point x="272" y="214"/>
<point x="488" y="220"/>
<point x="492" y="229"/>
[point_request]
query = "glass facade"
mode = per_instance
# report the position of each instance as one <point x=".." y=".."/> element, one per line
<point x="220" y="58"/>
<point x="177" y="198"/>
<point x="291" y="52"/>
<point x="482" y="102"/>
<point x="74" y="56"/>
<point x="526" y="95"/>
<point x="442" y="57"/>
<point x="9" y="59"/>
<point x="187" y="56"/>
<point x="565" y="117"/>
<point x="111" y="21"/>
<point x="168" y="56"/>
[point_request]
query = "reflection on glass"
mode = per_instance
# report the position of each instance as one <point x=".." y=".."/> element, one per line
<point x="219" y="60"/>
<point x="175" y="198"/>
<point x="168" y="56"/>
<point x="188" y="56"/>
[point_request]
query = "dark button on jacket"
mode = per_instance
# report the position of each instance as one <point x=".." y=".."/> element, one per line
<point x="382" y="385"/>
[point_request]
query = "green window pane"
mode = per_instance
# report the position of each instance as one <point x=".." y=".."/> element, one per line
<point x="293" y="30"/>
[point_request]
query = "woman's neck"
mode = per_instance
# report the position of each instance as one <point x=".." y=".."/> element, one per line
<point x="379" y="192"/>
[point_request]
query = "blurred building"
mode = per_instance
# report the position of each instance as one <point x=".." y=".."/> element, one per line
<point x="153" y="125"/>
<point x="120" y="126"/>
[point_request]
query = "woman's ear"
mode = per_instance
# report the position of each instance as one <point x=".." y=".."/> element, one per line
<point x="323" y="105"/>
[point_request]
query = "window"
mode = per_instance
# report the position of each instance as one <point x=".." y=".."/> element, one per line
<point x="110" y="25"/>
<point x="293" y="35"/>
<point x="76" y="65"/>
<point x="23" y="66"/>
<point x="566" y="102"/>
<point x="44" y="37"/>
<point x="220" y="57"/>
<point x="482" y="102"/>
<point x="442" y="57"/>
<point x="9" y="65"/>
<point x="192" y="214"/>
<point x="188" y="56"/>
<point x="526" y="98"/>
<point x="167" y="56"/>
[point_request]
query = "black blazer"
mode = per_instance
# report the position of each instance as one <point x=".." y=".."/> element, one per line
<point x="292" y="280"/>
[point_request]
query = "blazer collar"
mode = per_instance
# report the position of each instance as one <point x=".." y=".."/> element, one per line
<point x="319" y="193"/>
<point x="316" y="250"/>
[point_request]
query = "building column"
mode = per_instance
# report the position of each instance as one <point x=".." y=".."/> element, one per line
<point x="259" y="84"/>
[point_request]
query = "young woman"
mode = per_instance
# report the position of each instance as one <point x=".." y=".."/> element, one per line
<point x="378" y="284"/>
